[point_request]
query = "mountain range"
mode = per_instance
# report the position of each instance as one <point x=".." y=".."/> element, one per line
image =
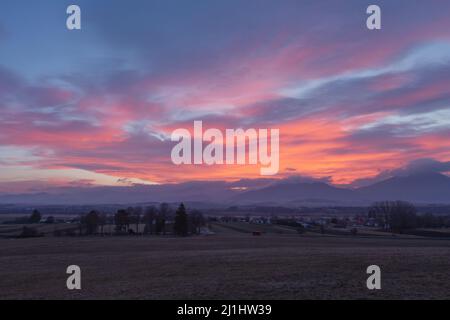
<point x="422" y="187"/>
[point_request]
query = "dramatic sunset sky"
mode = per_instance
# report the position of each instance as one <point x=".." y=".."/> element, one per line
<point x="97" y="106"/>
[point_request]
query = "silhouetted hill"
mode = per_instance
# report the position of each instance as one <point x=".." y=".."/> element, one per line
<point x="285" y="192"/>
<point x="201" y="191"/>
<point x="420" y="187"/>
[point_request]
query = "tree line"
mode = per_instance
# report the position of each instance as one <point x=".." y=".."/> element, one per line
<point x="395" y="216"/>
<point x="154" y="219"/>
<point x="398" y="216"/>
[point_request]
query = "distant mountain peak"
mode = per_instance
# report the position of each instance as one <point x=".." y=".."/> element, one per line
<point x="426" y="187"/>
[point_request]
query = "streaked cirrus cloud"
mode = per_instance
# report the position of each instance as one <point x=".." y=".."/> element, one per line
<point x="99" y="105"/>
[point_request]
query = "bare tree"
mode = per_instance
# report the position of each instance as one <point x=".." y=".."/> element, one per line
<point x="122" y="220"/>
<point x="196" y="221"/>
<point x="163" y="214"/>
<point x="137" y="216"/>
<point x="149" y="218"/>
<point x="102" y="221"/>
<point x="91" y="221"/>
<point x="394" y="215"/>
<point x="181" y="225"/>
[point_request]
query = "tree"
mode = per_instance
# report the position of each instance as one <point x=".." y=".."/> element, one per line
<point x="92" y="221"/>
<point x="102" y="220"/>
<point x="137" y="215"/>
<point x="35" y="217"/>
<point x="149" y="218"/>
<point x="121" y="220"/>
<point x="394" y="215"/>
<point x="196" y="221"/>
<point x="161" y="218"/>
<point x="181" y="221"/>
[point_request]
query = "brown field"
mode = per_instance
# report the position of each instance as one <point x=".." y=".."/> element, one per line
<point x="232" y="264"/>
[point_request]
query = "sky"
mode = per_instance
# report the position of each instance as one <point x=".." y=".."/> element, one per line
<point x="97" y="106"/>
